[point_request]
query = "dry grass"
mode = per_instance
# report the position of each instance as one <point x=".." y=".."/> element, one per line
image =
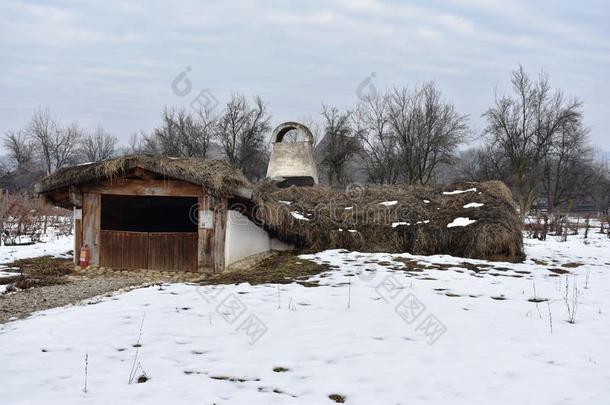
<point x="216" y="176"/>
<point x="283" y="268"/>
<point x="340" y="399"/>
<point x="367" y="225"/>
<point x="39" y="271"/>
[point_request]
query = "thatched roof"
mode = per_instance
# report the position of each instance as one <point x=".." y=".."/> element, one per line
<point x="216" y="176"/>
<point x="476" y="220"/>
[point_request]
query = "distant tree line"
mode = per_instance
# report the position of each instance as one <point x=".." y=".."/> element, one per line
<point x="534" y="140"/>
<point x="537" y="143"/>
<point x="45" y="145"/>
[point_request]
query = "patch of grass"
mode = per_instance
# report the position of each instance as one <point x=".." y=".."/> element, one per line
<point x="572" y="265"/>
<point x="40" y="271"/>
<point x="540" y="262"/>
<point x="10" y="279"/>
<point x="473" y="267"/>
<point x="441" y="266"/>
<point x="340" y="399"/>
<point x="410" y="264"/>
<point x="558" y="271"/>
<point x="283" y="268"/>
<point x="232" y="379"/>
<point x="537" y="300"/>
<point x="280" y="369"/>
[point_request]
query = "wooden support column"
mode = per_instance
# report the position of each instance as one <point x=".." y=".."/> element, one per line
<point x="78" y="237"/>
<point x="92" y="203"/>
<point x="76" y="198"/>
<point x="220" y="227"/>
<point x="205" y="245"/>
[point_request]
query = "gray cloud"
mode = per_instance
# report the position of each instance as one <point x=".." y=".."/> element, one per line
<point x="112" y="63"/>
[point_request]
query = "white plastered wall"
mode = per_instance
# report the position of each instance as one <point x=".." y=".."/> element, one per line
<point x="244" y="238"/>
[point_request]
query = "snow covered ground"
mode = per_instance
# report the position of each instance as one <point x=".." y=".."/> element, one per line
<point x="373" y="332"/>
<point x="51" y="245"/>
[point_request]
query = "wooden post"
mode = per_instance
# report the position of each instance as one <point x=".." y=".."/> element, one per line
<point x="220" y="227"/>
<point x="205" y="227"/>
<point x="92" y="203"/>
<point x="78" y="239"/>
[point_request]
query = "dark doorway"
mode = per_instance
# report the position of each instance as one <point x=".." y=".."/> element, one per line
<point x="143" y="232"/>
<point x="149" y="214"/>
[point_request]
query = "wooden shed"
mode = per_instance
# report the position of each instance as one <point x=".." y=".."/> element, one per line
<point x="150" y="212"/>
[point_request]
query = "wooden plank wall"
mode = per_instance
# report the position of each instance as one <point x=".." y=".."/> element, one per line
<point x="121" y="249"/>
<point x="166" y="251"/>
<point x="172" y="251"/>
<point x="209" y="243"/>
<point x="170" y="188"/>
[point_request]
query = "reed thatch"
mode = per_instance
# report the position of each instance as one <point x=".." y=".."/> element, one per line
<point x="216" y="176"/>
<point x="396" y="219"/>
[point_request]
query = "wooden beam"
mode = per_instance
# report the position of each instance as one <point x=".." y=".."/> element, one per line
<point x="143" y="174"/>
<point x="92" y="203"/>
<point x="168" y="188"/>
<point x="205" y="246"/>
<point x="78" y="239"/>
<point x="220" y="227"/>
<point x="76" y="197"/>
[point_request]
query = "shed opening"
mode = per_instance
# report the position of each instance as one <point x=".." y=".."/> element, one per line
<point x="149" y="214"/>
<point x="149" y="232"/>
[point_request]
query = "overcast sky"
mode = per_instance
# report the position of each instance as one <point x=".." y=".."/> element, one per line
<point x="113" y="63"/>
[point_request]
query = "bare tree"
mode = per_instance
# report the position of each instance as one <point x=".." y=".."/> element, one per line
<point x="428" y="131"/>
<point x="98" y="146"/>
<point x="338" y="144"/>
<point x="479" y="164"/>
<point x="566" y="174"/>
<point x="135" y="144"/>
<point x="20" y="149"/>
<point x="379" y="144"/>
<point x="21" y="171"/>
<point x="41" y="129"/>
<point x="181" y="134"/>
<point x="64" y="145"/>
<point x="600" y="187"/>
<point x="242" y="131"/>
<point x="522" y="128"/>
<point x="56" y="146"/>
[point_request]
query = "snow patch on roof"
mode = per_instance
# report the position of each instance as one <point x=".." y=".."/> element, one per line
<point x="461" y="221"/>
<point x="298" y="216"/>
<point x="474" y="205"/>
<point x="459" y="191"/>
